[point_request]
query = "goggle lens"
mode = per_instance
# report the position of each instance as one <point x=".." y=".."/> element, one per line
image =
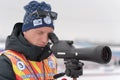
<point x="42" y="14"/>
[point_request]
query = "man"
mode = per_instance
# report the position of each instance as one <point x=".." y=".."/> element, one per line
<point x="27" y="54"/>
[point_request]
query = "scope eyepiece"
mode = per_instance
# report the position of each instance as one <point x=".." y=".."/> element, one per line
<point x="106" y="54"/>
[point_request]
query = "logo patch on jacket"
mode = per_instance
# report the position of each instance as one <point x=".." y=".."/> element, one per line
<point x="20" y="65"/>
<point x="51" y="64"/>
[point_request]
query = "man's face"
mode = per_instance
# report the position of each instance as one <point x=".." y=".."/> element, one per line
<point x="38" y="36"/>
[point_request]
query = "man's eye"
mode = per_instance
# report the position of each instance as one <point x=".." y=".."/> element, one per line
<point x="40" y="33"/>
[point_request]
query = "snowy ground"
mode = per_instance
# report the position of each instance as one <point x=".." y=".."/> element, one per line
<point x="111" y="77"/>
<point x="98" y="74"/>
<point x="110" y="72"/>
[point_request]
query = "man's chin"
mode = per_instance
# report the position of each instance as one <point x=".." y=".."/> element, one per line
<point x="40" y="45"/>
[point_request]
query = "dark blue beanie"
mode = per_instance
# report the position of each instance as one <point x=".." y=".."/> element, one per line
<point x="32" y="21"/>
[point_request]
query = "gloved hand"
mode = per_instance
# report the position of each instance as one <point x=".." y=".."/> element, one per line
<point x="73" y="68"/>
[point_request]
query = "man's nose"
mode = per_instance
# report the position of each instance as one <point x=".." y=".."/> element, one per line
<point x="45" y="39"/>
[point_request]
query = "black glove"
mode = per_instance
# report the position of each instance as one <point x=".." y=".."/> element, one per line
<point x="73" y="68"/>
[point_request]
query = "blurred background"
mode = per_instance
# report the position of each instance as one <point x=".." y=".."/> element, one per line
<point x="86" y="22"/>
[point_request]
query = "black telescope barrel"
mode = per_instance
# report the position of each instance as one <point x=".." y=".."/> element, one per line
<point x="99" y="54"/>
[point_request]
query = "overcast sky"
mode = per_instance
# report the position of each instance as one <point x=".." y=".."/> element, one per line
<point x="97" y="20"/>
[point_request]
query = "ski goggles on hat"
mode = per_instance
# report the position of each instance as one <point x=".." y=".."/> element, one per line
<point x="42" y="14"/>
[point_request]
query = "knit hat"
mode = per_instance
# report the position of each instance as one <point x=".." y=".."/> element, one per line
<point x="38" y="15"/>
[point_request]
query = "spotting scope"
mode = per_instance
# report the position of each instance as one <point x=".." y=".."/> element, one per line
<point x="65" y="49"/>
